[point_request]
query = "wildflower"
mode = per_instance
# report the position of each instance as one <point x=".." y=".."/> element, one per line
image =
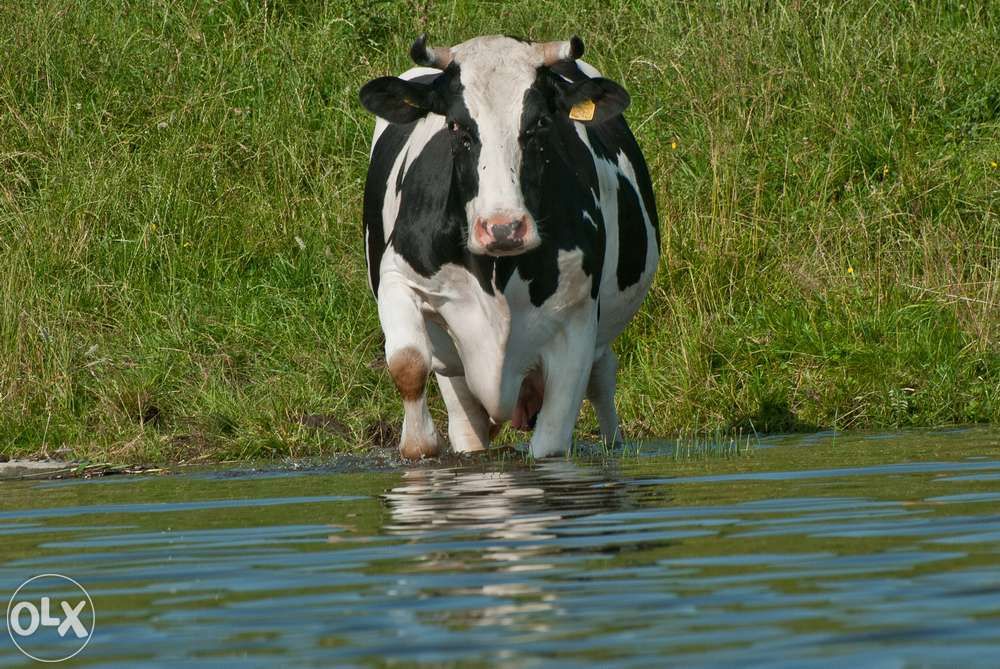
<point x="850" y="270"/>
<point x="153" y="227"/>
<point x="994" y="164"/>
<point x="673" y="146"/>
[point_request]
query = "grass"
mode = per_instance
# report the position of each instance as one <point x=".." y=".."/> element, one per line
<point x="180" y="194"/>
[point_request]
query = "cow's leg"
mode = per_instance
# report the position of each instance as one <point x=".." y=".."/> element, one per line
<point x="601" y="393"/>
<point x="408" y="357"/>
<point x="567" y="364"/>
<point x="468" y="422"/>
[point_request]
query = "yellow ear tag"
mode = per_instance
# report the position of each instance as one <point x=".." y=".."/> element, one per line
<point x="582" y="111"/>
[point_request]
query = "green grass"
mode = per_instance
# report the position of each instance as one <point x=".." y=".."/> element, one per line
<point x="180" y="193"/>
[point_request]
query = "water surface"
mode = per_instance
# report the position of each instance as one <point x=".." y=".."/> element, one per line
<point x="872" y="550"/>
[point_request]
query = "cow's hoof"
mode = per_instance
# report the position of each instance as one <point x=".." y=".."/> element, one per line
<point x="468" y="450"/>
<point x="416" y="449"/>
<point x="542" y="450"/>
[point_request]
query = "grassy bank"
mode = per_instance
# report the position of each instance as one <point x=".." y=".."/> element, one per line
<point x="181" y="270"/>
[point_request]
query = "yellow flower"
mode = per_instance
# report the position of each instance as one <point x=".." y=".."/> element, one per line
<point x="673" y="146"/>
<point x="850" y="270"/>
<point x="994" y="164"/>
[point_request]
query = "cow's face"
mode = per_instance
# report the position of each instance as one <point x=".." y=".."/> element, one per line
<point x="505" y="113"/>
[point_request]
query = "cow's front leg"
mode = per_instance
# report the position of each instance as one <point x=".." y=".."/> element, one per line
<point x="601" y="393"/>
<point x="408" y="357"/>
<point x="566" y="363"/>
<point x="468" y="422"/>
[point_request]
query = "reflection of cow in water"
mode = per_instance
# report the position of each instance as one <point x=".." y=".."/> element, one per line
<point x="517" y="505"/>
<point x="511" y="524"/>
<point x="499" y="534"/>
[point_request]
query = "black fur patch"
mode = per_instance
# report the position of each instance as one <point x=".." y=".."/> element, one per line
<point x="608" y="140"/>
<point x="390" y="143"/>
<point x="632" y="243"/>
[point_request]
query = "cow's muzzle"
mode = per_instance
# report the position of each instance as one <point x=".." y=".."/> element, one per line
<point x="504" y="234"/>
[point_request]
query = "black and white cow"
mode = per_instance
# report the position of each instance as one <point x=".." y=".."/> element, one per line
<point x="511" y="234"/>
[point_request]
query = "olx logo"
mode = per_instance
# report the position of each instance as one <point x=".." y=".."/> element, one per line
<point x="50" y="618"/>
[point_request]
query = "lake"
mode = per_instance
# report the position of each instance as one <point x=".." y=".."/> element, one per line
<point x="818" y="550"/>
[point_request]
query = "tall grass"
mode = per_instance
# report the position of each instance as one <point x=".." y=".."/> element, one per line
<point x="181" y="267"/>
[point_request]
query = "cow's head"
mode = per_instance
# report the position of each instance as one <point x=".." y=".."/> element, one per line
<point x="508" y="116"/>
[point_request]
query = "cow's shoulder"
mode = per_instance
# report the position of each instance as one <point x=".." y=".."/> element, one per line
<point x="391" y="144"/>
<point x="614" y="144"/>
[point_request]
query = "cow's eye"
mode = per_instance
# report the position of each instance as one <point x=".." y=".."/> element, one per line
<point x="535" y="129"/>
<point x="460" y="133"/>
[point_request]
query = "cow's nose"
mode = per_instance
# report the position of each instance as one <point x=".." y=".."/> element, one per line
<point x="502" y="233"/>
<point x="507" y="229"/>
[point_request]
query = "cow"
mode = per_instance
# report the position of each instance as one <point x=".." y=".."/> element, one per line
<point x="510" y="234"/>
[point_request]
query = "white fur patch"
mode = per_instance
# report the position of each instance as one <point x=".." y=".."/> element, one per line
<point x="496" y="74"/>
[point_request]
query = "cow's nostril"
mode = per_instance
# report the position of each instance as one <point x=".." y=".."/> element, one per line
<point x="502" y="232"/>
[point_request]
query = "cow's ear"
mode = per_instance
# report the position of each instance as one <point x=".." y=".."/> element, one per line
<point x="595" y="100"/>
<point x="399" y="101"/>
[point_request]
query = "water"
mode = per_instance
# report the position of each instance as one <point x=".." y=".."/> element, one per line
<point x="880" y="550"/>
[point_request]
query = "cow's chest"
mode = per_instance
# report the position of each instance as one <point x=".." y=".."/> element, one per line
<point x="501" y="315"/>
<point x="495" y="336"/>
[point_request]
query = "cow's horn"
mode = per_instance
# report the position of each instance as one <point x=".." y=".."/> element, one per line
<point x="555" y="52"/>
<point x="439" y="56"/>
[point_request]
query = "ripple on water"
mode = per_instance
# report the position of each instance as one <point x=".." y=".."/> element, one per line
<point x="568" y="562"/>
